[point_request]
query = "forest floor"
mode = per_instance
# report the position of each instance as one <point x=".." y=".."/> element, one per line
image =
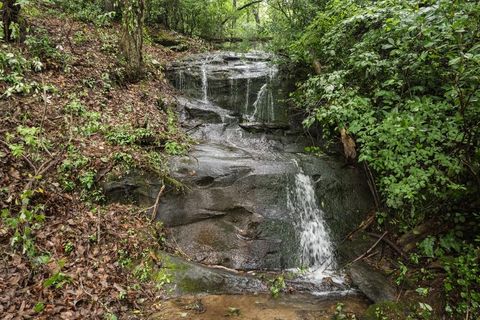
<point x="68" y="121"/>
<point x="64" y="252"/>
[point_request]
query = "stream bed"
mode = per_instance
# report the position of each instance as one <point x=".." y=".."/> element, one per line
<point x="258" y="307"/>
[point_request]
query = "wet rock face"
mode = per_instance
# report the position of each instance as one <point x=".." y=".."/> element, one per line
<point x="233" y="210"/>
<point x="246" y="84"/>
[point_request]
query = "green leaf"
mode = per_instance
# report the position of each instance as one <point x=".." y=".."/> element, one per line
<point x="39" y="307"/>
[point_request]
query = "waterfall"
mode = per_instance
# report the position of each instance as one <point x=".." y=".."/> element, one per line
<point x="203" y="68"/>
<point x="263" y="107"/>
<point x="258" y="102"/>
<point x="316" y="246"/>
<point x="247" y="97"/>
<point x="181" y="80"/>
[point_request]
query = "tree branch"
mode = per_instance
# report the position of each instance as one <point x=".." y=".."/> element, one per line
<point x="245" y="6"/>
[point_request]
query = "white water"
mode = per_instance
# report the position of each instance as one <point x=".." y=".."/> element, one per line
<point x="260" y="97"/>
<point x="316" y="245"/>
<point x="181" y="80"/>
<point x="263" y="107"/>
<point x="247" y="95"/>
<point x="204" y="81"/>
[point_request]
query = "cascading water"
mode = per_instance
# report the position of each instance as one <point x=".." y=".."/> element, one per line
<point x="203" y="69"/>
<point x="316" y="245"/>
<point x="181" y="80"/>
<point x="263" y="106"/>
<point x="247" y="142"/>
<point x="247" y="95"/>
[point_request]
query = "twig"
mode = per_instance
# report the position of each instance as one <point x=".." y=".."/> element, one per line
<point x="45" y="105"/>
<point x="30" y="163"/>
<point x="224" y="268"/>
<point x="371" y="185"/>
<point x="371" y="248"/>
<point x="363" y="225"/>
<point x="41" y="171"/>
<point x="23" y="156"/>
<point x="390" y="243"/>
<point x="157" y="202"/>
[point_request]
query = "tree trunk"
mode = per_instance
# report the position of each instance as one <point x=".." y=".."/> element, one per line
<point x="132" y="38"/>
<point x="10" y="13"/>
<point x="256" y="14"/>
<point x="108" y="5"/>
<point x="234" y="20"/>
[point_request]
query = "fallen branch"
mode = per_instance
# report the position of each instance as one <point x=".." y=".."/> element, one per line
<point x="245" y="6"/>
<point x="40" y="172"/>
<point x="390" y="243"/>
<point x="223" y="268"/>
<point x="104" y="172"/>
<point x="371" y="185"/>
<point x="157" y="202"/>
<point x="371" y="248"/>
<point x="363" y="225"/>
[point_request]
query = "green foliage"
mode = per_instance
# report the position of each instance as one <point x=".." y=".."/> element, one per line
<point x="68" y="247"/>
<point x="76" y="173"/>
<point x="110" y="316"/>
<point x="58" y="279"/>
<point x="340" y="313"/>
<point x="175" y="149"/>
<point x="403" y="77"/>
<point x="193" y="17"/>
<point x="411" y="101"/>
<point x="127" y="135"/>
<point x="23" y="224"/>
<point x="287" y="21"/>
<point x="14" y="68"/>
<point x="71" y="167"/>
<point x="41" y="46"/>
<point x="462" y="283"/>
<point x="88" y="11"/>
<point x="277" y="285"/>
<point x="143" y="271"/>
<point x="27" y="140"/>
<point x="39" y="307"/>
<point x="75" y="107"/>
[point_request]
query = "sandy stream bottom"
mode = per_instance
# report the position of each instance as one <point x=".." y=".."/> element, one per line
<point x="257" y="307"/>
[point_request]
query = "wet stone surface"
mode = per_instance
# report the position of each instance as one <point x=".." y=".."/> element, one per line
<point x="234" y="210"/>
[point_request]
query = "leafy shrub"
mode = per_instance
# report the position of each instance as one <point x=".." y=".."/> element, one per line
<point x="127" y="135"/>
<point x="88" y="11"/>
<point x="41" y="46"/>
<point x="14" y="68"/>
<point x="402" y="77"/>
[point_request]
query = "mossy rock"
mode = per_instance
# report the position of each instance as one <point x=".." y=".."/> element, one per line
<point x="166" y="39"/>
<point x="189" y="277"/>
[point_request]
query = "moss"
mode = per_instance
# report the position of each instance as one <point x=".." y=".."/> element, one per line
<point x="190" y="285"/>
<point x="174" y="266"/>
